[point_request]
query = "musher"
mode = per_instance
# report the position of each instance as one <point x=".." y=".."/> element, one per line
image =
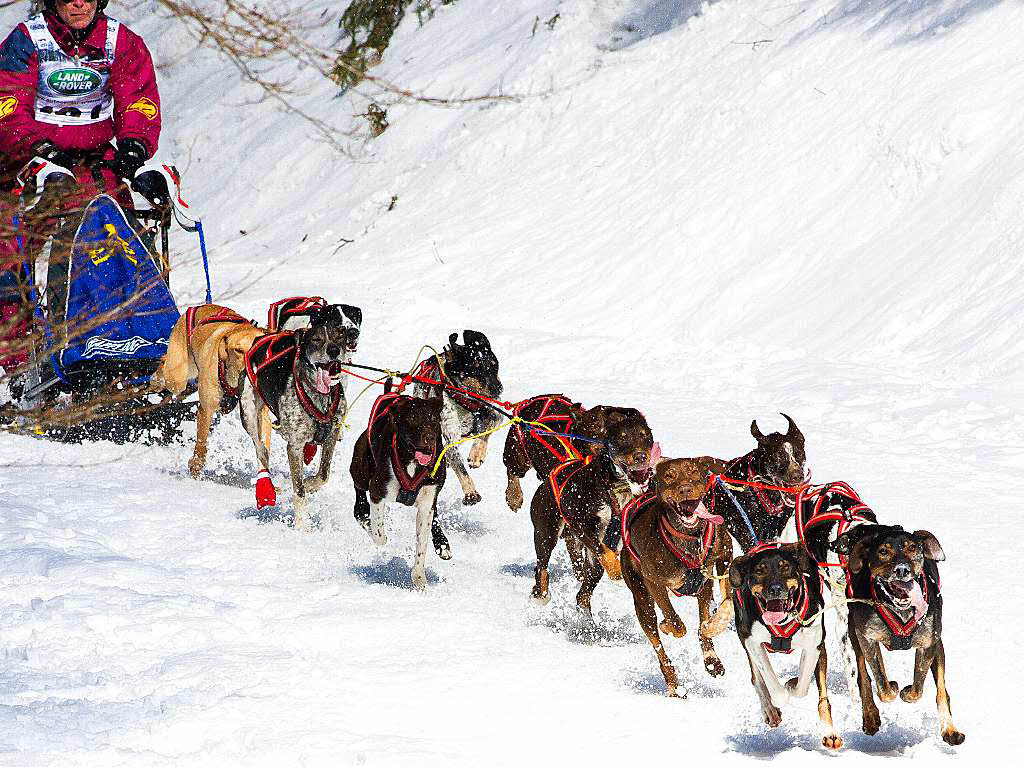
<point x="72" y="80"/>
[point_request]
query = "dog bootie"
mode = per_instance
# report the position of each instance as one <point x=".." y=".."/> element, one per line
<point x="266" y="495"/>
<point x="309" y="453"/>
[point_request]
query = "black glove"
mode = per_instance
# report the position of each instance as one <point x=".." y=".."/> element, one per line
<point x="50" y="152"/>
<point x="131" y="155"/>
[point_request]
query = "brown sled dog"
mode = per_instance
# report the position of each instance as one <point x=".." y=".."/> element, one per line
<point x="671" y="541"/>
<point x="207" y="343"/>
<point x="529" y="447"/>
<point x="392" y="462"/>
<point x="582" y="499"/>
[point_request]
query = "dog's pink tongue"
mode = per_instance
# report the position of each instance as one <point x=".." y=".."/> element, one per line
<point x="422" y="458"/>
<point x="655" y="454"/>
<point x="774" y="618"/>
<point x="917" y="601"/>
<point x="323" y="381"/>
<point x="703" y="513"/>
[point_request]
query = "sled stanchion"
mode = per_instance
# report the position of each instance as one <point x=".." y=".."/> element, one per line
<point x="206" y="262"/>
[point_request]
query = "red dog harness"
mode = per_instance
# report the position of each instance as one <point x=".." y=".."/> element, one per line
<point x="297" y="306"/>
<point x="224" y="315"/>
<point x="810" y="514"/>
<point x="430" y="369"/>
<point x="275" y="355"/>
<point x="389" y="404"/>
<point x="556" y="414"/>
<point x="561" y="475"/>
<point x="705" y="534"/>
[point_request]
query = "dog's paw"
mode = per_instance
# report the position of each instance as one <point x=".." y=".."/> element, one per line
<point x="887" y="691"/>
<point x="419" y="578"/>
<point x="713" y="665"/>
<point x="195" y="467"/>
<point x="832" y="742"/>
<point x="772" y="716"/>
<point x="514" y="497"/>
<point x="872" y="722"/>
<point x="674" y="628"/>
<point x="477" y="453"/>
<point x="718" y="622"/>
<point x="909" y="694"/>
<point x="540" y="597"/>
<point x="443" y="550"/>
<point x="470" y="499"/>
<point x="953" y="736"/>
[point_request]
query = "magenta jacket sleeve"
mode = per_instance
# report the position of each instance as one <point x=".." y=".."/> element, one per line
<point x="18" y="72"/>
<point x="136" y="100"/>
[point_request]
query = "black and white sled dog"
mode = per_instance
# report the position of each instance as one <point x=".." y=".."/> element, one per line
<point x="297" y="377"/>
<point x="778" y="603"/>
<point x="824" y="513"/>
<point x="472" y="366"/>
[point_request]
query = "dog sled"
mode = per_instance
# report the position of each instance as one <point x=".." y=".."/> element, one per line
<point x="96" y="269"/>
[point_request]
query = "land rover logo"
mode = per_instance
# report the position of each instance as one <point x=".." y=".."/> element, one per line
<point x="74" y="81"/>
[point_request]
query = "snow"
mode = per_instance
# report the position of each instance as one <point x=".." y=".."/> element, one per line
<point x="670" y="215"/>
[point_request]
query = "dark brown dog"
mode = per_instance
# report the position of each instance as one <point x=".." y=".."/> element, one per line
<point x="896" y="572"/>
<point x="538" y="448"/>
<point x="670" y="541"/>
<point x="581" y="498"/>
<point x="778" y="605"/>
<point x="392" y="461"/>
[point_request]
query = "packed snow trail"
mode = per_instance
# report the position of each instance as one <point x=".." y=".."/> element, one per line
<point x="711" y="230"/>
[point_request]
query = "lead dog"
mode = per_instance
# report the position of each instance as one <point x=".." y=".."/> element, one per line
<point x="473" y="367"/>
<point x="778" y="605"/>
<point x="297" y="376"/>
<point x="670" y="541"/>
<point x="392" y="461"/>
<point x="895" y="572"/>
<point x="208" y="343"/>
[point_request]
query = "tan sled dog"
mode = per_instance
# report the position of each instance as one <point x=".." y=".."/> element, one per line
<point x="208" y="343"/>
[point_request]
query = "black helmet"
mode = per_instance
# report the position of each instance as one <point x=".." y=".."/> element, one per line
<point x="51" y="5"/>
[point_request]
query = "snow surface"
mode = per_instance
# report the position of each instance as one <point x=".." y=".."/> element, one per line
<point x="710" y="212"/>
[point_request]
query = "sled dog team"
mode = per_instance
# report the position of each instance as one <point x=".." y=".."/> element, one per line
<point x="659" y="524"/>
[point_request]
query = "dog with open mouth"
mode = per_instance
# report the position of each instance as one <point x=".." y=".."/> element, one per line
<point x="393" y="461"/>
<point x="672" y="542"/>
<point x="894" y="577"/>
<point x="297" y="377"/>
<point x="778" y="605"/>
<point x="462" y="370"/>
<point x="582" y="499"/>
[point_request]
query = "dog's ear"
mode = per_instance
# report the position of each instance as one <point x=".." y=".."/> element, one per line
<point x="851" y="547"/>
<point x="736" y="572"/>
<point x="708" y="465"/>
<point x="354" y="314"/>
<point x="756" y="432"/>
<point x="930" y="544"/>
<point x="476" y="339"/>
<point x="453" y="341"/>
<point x="799" y="552"/>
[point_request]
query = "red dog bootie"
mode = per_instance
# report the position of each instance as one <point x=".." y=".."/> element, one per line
<point x="266" y="495"/>
<point x="309" y="452"/>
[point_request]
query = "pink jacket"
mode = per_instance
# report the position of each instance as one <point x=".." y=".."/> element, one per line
<point x="132" y="81"/>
